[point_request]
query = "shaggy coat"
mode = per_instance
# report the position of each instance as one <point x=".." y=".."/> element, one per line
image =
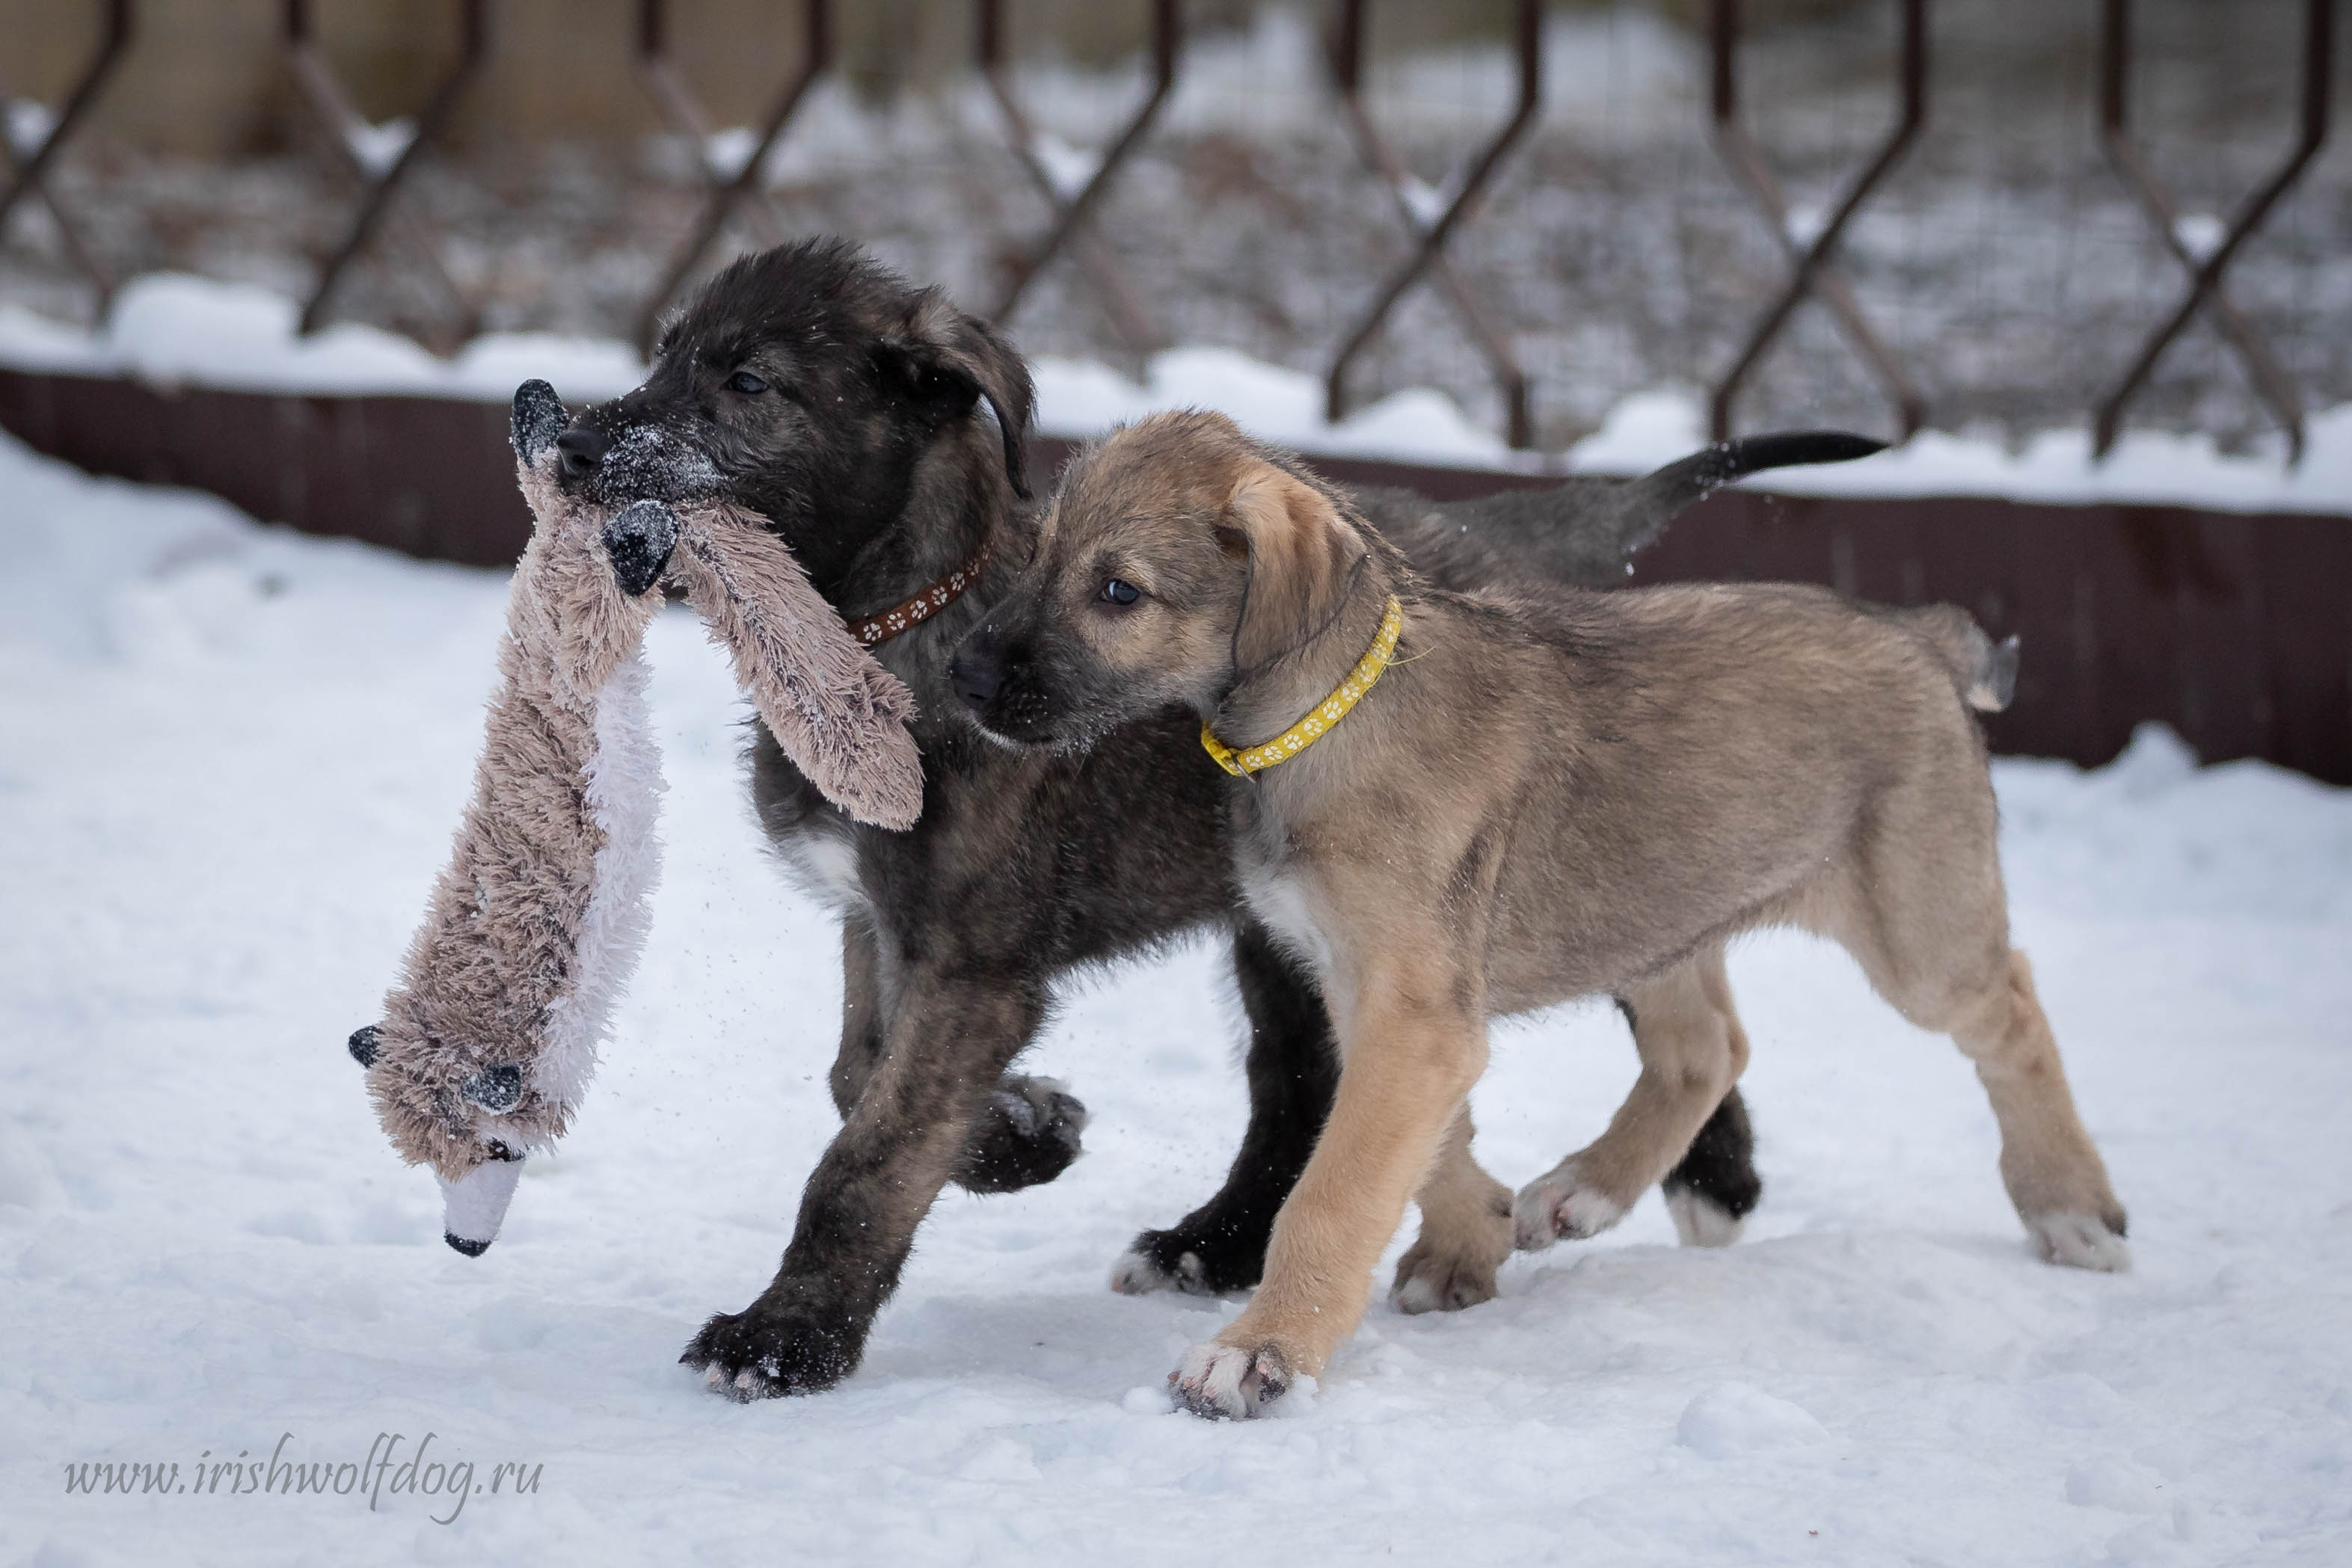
<point x="881" y="433"/>
<point x="1539" y="794"/>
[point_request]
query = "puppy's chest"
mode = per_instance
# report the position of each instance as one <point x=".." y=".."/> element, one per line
<point x="821" y="856"/>
<point x="1278" y="885"/>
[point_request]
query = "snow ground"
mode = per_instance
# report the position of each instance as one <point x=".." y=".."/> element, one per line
<point x="174" y="329"/>
<point x="232" y="760"/>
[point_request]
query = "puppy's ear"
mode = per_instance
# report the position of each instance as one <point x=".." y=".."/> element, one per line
<point x="943" y="352"/>
<point x="1302" y="556"/>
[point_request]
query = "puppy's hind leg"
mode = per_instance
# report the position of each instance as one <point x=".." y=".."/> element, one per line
<point x="2048" y="1163"/>
<point x="1294" y="1069"/>
<point x="1465" y="1232"/>
<point x="1693" y="1050"/>
<point x="1922" y="910"/>
<point x="1714" y="1187"/>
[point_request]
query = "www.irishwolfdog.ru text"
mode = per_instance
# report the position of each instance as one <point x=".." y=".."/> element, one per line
<point x="392" y="1468"/>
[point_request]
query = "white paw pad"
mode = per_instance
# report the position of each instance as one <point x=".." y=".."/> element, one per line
<point x="1700" y="1221"/>
<point x="1416" y="1295"/>
<point x="1556" y="1206"/>
<point x="1226" y="1382"/>
<point x="2080" y="1241"/>
<point x="1135" y="1274"/>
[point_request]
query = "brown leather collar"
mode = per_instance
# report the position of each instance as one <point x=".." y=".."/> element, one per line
<point x="881" y="628"/>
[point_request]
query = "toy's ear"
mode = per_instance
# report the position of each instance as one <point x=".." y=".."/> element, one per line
<point x="838" y="715"/>
<point x="537" y="419"/>
<point x="943" y="353"/>
<point x="496" y="1089"/>
<point x="1301" y="552"/>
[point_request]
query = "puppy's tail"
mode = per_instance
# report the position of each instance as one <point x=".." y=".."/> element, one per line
<point x="1584" y="530"/>
<point x="1984" y="671"/>
<point x="1648" y="504"/>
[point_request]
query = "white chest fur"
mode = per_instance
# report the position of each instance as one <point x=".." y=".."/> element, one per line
<point x="824" y="864"/>
<point x="1283" y="902"/>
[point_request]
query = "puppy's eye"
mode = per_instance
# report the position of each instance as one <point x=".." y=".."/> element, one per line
<point x="747" y="384"/>
<point x="1121" y="591"/>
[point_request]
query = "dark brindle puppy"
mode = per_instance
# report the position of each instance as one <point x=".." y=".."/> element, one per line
<point x="821" y="392"/>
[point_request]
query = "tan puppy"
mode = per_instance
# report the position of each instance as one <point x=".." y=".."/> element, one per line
<point x="1531" y="799"/>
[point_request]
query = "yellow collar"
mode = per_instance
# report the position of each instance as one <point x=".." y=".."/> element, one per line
<point x="1328" y="712"/>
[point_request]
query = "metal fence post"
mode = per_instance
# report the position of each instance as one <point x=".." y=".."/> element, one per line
<point x="1430" y="238"/>
<point x="724" y="194"/>
<point x="32" y="173"/>
<point x="1072" y="226"/>
<point x="2271" y="385"/>
<point x="1812" y="271"/>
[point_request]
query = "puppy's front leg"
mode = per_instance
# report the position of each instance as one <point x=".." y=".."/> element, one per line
<point x="1026" y="1133"/>
<point x="947" y="1044"/>
<point x="1408" y="1059"/>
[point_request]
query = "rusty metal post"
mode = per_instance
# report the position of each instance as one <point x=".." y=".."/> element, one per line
<point x="725" y="196"/>
<point x="2271" y="385"/>
<point x="317" y="85"/>
<point x="1812" y="271"/>
<point x="325" y="91"/>
<point x="1072" y="226"/>
<point x="31" y="175"/>
<point x="1430" y="238"/>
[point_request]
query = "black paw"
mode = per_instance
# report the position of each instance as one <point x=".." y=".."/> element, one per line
<point x="1028" y="1134"/>
<point x="1199" y="1260"/>
<point x="766" y="1354"/>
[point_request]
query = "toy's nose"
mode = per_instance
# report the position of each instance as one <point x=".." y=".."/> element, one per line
<point x="977" y="673"/>
<point x="582" y="446"/>
<point x="475" y="1206"/>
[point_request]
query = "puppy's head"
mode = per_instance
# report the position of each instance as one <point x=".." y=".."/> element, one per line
<point x="1178" y="558"/>
<point x="808" y="385"/>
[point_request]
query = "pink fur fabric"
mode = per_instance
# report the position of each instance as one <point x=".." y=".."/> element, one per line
<point x="535" y="924"/>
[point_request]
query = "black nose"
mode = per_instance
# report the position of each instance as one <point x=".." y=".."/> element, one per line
<point x="583" y="446"/>
<point x="977" y="673"/>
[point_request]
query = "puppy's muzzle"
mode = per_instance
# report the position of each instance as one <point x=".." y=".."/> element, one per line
<point x="582" y="446"/>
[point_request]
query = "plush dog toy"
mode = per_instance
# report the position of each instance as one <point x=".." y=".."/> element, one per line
<point x="488" y="1041"/>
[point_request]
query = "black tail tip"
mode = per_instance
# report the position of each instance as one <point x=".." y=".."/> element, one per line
<point x="366" y="1041"/>
<point x="1793" y="448"/>
<point x="470" y="1249"/>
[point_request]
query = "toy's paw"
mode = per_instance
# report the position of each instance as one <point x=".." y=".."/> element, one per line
<point x="1229" y="1382"/>
<point x="638" y="540"/>
<point x="1561" y="1203"/>
<point x="2082" y="1241"/>
<point x="767" y="1353"/>
<point x="1028" y="1134"/>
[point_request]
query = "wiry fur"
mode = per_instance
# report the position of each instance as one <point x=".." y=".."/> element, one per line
<point x="488" y="1039"/>
<point x="1548" y="793"/>
<point x="879" y="432"/>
